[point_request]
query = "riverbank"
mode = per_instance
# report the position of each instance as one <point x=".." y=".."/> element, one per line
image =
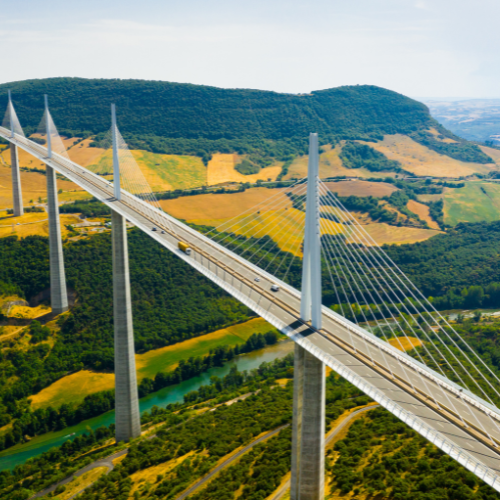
<point x="20" y="453"/>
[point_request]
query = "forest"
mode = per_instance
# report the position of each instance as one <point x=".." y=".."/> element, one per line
<point x="177" y="118"/>
<point x="378" y="457"/>
<point x="172" y="302"/>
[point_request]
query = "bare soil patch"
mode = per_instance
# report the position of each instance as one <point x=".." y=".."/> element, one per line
<point x="361" y="188"/>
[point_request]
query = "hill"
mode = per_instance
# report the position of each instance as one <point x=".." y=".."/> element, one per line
<point x="177" y="118"/>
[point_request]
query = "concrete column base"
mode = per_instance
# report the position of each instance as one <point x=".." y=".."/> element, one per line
<point x="16" y="182"/>
<point x="127" y="416"/>
<point x="308" y="427"/>
<point x="58" y="291"/>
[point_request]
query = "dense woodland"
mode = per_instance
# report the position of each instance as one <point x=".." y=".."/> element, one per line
<point x="379" y="456"/>
<point x="172" y="302"/>
<point x="178" y="118"/>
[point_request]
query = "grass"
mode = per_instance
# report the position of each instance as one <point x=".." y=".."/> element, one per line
<point x="422" y="161"/>
<point x="405" y="343"/>
<point x="73" y="388"/>
<point x="170" y="172"/>
<point x="423" y="212"/>
<point x="361" y="188"/>
<point x="167" y="358"/>
<point x="221" y="170"/>
<point x="223" y="206"/>
<point x="81" y="482"/>
<point x="28" y="312"/>
<point x="476" y="201"/>
<point x="330" y="165"/>
<point x="73" y="196"/>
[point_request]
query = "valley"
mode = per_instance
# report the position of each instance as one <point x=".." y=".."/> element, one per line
<point x="215" y="380"/>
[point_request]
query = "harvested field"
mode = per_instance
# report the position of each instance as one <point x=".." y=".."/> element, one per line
<point x="475" y="202"/>
<point x="225" y="205"/>
<point x="422" y="161"/>
<point x="423" y="212"/>
<point x="385" y="234"/>
<point x="221" y="170"/>
<point x="405" y="343"/>
<point x="361" y="188"/>
<point x="34" y="186"/>
<point x="33" y="223"/>
<point x="83" y="154"/>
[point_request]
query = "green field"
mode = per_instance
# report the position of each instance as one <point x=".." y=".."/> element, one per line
<point x="169" y="172"/>
<point x="475" y="202"/>
<point x="73" y="388"/>
<point x="167" y="358"/>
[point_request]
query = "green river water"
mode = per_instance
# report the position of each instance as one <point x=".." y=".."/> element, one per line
<point x="20" y="453"/>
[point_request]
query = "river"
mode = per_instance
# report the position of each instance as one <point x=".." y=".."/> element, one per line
<point x="20" y="453"/>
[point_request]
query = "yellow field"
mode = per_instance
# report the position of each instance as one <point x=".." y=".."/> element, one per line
<point x="405" y="343"/>
<point x="221" y="170"/>
<point x="81" y="482"/>
<point x="384" y="234"/>
<point x="330" y="165"/>
<point x="34" y="185"/>
<point x="422" y="161"/>
<point x="83" y="154"/>
<point x="436" y="134"/>
<point x="223" y="206"/>
<point x="74" y="387"/>
<point x="361" y="188"/>
<point x="423" y="212"/>
<point x="32" y="223"/>
<point x="73" y="196"/>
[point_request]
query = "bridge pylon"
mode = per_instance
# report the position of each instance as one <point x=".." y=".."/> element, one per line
<point x="308" y="427"/>
<point x="58" y="290"/>
<point x="17" y="195"/>
<point x="127" y="415"/>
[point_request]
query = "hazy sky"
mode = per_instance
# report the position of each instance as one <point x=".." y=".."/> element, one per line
<point x="423" y="48"/>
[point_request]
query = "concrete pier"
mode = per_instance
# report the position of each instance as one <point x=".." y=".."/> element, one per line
<point x="58" y="291"/>
<point x="128" y="423"/>
<point x="308" y="431"/>
<point x="308" y="426"/>
<point x="16" y="182"/>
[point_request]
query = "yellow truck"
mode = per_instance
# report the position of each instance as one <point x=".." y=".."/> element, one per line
<point x="184" y="247"/>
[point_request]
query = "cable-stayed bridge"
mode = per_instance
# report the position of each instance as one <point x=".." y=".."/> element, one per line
<point x="444" y="391"/>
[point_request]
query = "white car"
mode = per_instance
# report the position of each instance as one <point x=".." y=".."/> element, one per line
<point x="257" y="279"/>
<point x="275" y="288"/>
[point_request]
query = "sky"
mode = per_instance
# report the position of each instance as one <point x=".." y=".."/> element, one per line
<point x="420" y="48"/>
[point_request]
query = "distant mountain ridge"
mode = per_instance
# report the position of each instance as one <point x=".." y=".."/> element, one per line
<point x="192" y="119"/>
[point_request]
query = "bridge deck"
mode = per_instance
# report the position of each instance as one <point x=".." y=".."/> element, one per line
<point x="458" y="423"/>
